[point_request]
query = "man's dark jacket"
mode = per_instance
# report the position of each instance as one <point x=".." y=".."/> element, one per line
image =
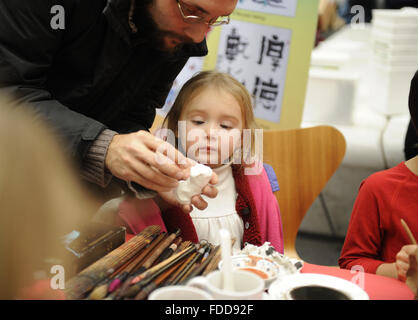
<point x="91" y="75"/>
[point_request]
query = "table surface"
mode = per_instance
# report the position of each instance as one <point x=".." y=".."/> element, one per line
<point x="377" y="287"/>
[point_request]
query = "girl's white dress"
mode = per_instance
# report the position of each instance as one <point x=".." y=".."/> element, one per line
<point x="220" y="212"/>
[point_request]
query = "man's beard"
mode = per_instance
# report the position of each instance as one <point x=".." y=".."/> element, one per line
<point x="148" y="29"/>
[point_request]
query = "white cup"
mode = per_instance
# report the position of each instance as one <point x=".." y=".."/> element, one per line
<point x="247" y="286"/>
<point x="179" y="293"/>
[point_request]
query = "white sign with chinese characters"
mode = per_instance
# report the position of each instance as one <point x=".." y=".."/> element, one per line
<point x="279" y="7"/>
<point x="257" y="56"/>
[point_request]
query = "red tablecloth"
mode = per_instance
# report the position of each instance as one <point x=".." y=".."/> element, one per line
<point x="377" y="287"/>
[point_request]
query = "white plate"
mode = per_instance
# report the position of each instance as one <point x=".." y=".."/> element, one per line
<point x="279" y="289"/>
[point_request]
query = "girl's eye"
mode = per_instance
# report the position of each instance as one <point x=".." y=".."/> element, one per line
<point x="224" y="126"/>
<point x="197" y="122"/>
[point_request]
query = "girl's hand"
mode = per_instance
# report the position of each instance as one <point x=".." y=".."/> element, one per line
<point x="209" y="190"/>
<point x="403" y="260"/>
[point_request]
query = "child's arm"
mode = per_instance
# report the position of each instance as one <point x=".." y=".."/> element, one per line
<point x="363" y="241"/>
<point x="387" y="270"/>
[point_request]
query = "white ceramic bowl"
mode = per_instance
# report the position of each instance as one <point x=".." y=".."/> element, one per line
<point x="264" y="267"/>
<point x="332" y="288"/>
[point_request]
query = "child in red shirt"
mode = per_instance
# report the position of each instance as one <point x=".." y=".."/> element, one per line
<point x="375" y="238"/>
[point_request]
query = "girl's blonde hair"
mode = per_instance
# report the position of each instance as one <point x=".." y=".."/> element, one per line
<point x="41" y="198"/>
<point x="220" y="81"/>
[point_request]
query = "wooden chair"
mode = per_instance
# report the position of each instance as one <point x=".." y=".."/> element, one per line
<point x="304" y="160"/>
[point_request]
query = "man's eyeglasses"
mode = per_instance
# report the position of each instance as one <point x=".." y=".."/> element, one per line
<point x="188" y="13"/>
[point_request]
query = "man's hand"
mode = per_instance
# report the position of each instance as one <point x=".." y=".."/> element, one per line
<point x="146" y="160"/>
<point x="209" y="190"/>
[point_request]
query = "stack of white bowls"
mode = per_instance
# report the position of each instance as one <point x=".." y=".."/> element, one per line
<point x="394" y="39"/>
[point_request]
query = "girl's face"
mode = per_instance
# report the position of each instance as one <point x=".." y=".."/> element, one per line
<point x="214" y="123"/>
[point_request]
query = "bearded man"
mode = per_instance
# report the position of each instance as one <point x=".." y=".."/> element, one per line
<point x="96" y="71"/>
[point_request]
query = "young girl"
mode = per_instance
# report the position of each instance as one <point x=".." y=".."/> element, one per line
<point x="211" y="111"/>
<point x="375" y="238"/>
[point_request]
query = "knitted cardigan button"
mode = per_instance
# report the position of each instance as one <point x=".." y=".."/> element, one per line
<point x="245" y="211"/>
<point x="247" y="225"/>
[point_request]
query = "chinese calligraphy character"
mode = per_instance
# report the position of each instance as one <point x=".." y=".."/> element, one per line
<point x="234" y="46"/>
<point x="267" y="94"/>
<point x="272" y="3"/>
<point x="274" y="50"/>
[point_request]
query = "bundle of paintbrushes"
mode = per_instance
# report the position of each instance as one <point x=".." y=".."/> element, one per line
<point x="149" y="260"/>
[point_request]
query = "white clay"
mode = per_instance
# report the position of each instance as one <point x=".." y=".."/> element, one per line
<point x="200" y="176"/>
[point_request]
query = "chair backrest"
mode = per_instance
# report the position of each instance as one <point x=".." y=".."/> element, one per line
<point x="304" y="159"/>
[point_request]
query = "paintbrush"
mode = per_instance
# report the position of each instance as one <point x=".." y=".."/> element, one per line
<point x="174" y="276"/>
<point x="146" y="277"/>
<point x="130" y="265"/>
<point x="213" y="261"/>
<point x="127" y="278"/>
<point x="408" y="231"/>
<point x="189" y="265"/>
<point x="169" y="251"/>
<point x="88" y="278"/>
<point x="155" y="254"/>
<point x="183" y="245"/>
<point x="100" y="291"/>
<point x="158" y="251"/>
<point x="213" y="265"/>
<point x="145" y="291"/>
<point x="116" y="283"/>
<point x="176" y="257"/>
<point x="132" y="278"/>
<point x="209" y="253"/>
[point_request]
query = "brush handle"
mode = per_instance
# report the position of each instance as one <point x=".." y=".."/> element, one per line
<point x="149" y="275"/>
<point x="143" y="294"/>
<point x="159" y="250"/>
<point x="189" y="265"/>
<point x="199" y="269"/>
<point x="408" y="231"/>
<point x="88" y="278"/>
